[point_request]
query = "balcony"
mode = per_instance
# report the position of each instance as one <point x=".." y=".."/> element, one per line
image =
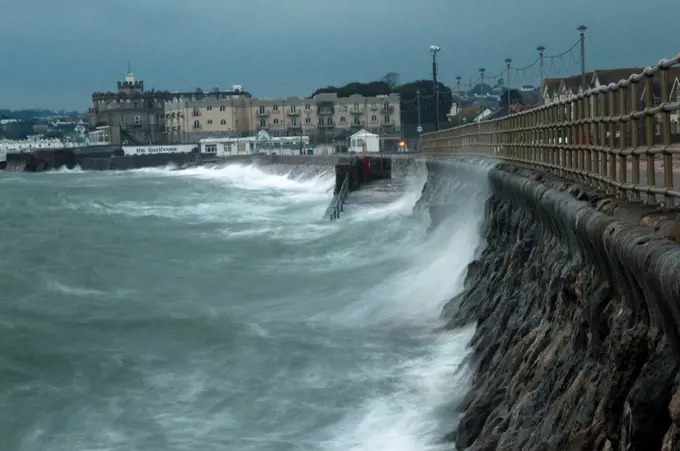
<point x="325" y="111"/>
<point x="263" y="113"/>
<point x="294" y="113"/>
<point x="356" y="111"/>
<point x="387" y="110"/>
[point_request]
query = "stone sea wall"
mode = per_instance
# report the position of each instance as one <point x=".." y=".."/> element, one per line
<point x="577" y="314"/>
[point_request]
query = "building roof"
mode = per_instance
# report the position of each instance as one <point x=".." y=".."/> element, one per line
<point x="467" y="114"/>
<point x="363" y="132"/>
<point x="608" y="76"/>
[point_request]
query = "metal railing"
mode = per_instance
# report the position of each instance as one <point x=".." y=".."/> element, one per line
<point x="338" y="202"/>
<point x="596" y="137"/>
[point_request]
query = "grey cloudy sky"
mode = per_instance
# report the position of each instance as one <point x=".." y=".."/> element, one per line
<point x="55" y="53"/>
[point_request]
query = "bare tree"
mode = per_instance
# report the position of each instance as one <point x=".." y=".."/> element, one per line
<point x="391" y="78"/>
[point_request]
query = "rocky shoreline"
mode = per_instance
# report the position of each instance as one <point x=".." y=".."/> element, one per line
<point x="572" y="350"/>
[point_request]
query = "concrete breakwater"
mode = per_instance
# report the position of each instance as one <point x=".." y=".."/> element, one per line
<point x="577" y="317"/>
<point x="97" y="158"/>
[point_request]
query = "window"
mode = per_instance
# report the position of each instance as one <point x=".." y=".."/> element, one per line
<point x="329" y="121"/>
<point x="342" y="119"/>
<point x="374" y="119"/>
<point x="292" y="108"/>
<point x="276" y="122"/>
<point x="356" y="107"/>
<point x="308" y="120"/>
<point x="222" y="108"/>
<point x="307" y="107"/>
<point x="209" y="108"/>
<point x="210" y="148"/>
<point x="387" y="119"/>
<point x="209" y="121"/>
<point x="138" y="120"/>
<point x="261" y="109"/>
<point x="196" y="113"/>
<point x="263" y="123"/>
<point x="135" y="105"/>
<point x="275" y="108"/>
<point x="293" y="122"/>
<point x="320" y="121"/>
<point x="357" y="121"/>
<point x="223" y="122"/>
<point x="197" y="125"/>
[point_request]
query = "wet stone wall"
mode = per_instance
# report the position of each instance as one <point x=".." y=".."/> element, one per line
<point x="577" y="317"/>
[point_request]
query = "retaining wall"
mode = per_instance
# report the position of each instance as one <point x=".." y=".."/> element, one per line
<point x="578" y="318"/>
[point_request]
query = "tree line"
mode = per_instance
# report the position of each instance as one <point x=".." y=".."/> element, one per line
<point x="390" y="83"/>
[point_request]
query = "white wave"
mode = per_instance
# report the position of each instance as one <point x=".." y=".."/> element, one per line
<point x="402" y="206"/>
<point x="249" y="177"/>
<point x="409" y="418"/>
<point x="64" y="170"/>
<point x="416" y="411"/>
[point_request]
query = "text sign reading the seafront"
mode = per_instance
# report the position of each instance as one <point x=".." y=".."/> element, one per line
<point x="150" y="150"/>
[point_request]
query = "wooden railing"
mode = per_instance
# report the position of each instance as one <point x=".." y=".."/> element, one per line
<point x="619" y="138"/>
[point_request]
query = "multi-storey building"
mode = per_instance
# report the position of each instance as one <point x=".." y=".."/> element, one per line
<point x="193" y="116"/>
<point x="327" y="115"/>
<point x="133" y="115"/>
<point x="136" y="116"/>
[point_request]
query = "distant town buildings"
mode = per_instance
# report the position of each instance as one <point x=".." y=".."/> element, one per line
<point x="557" y="89"/>
<point x="133" y="115"/>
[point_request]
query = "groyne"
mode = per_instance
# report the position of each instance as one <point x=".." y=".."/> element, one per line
<point x="97" y="158"/>
<point x="576" y="301"/>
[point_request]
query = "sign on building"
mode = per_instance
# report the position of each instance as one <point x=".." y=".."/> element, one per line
<point x="151" y="150"/>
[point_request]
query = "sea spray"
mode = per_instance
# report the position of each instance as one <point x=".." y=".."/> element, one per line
<point x="211" y="308"/>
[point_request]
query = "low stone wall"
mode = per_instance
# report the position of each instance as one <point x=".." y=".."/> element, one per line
<point x="577" y="314"/>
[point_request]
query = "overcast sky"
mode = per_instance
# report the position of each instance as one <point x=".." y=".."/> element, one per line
<point x="54" y="54"/>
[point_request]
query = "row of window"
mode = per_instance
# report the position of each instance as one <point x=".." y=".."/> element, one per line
<point x="293" y="122"/>
<point x="293" y="108"/>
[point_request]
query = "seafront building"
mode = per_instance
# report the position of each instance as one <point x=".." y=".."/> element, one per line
<point x="324" y="117"/>
<point x="132" y="115"/>
<point x="261" y="143"/>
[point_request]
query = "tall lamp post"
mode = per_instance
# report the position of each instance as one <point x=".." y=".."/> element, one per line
<point x="420" y="125"/>
<point x="582" y="31"/>
<point x="459" y="97"/>
<point x="434" y="50"/>
<point x="541" y="49"/>
<point x="508" y="61"/>
<point x="481" y="77"/>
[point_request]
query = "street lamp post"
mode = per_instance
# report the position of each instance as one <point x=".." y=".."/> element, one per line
<point x="434" y="50"/>
<point x="459" y="97"/>
<point x="507" y="80"/>
<point x="419" y="129"/>
<point x="582" y="31"/>
<point x="481" y="76"/>
<point x="541" y="49"/>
